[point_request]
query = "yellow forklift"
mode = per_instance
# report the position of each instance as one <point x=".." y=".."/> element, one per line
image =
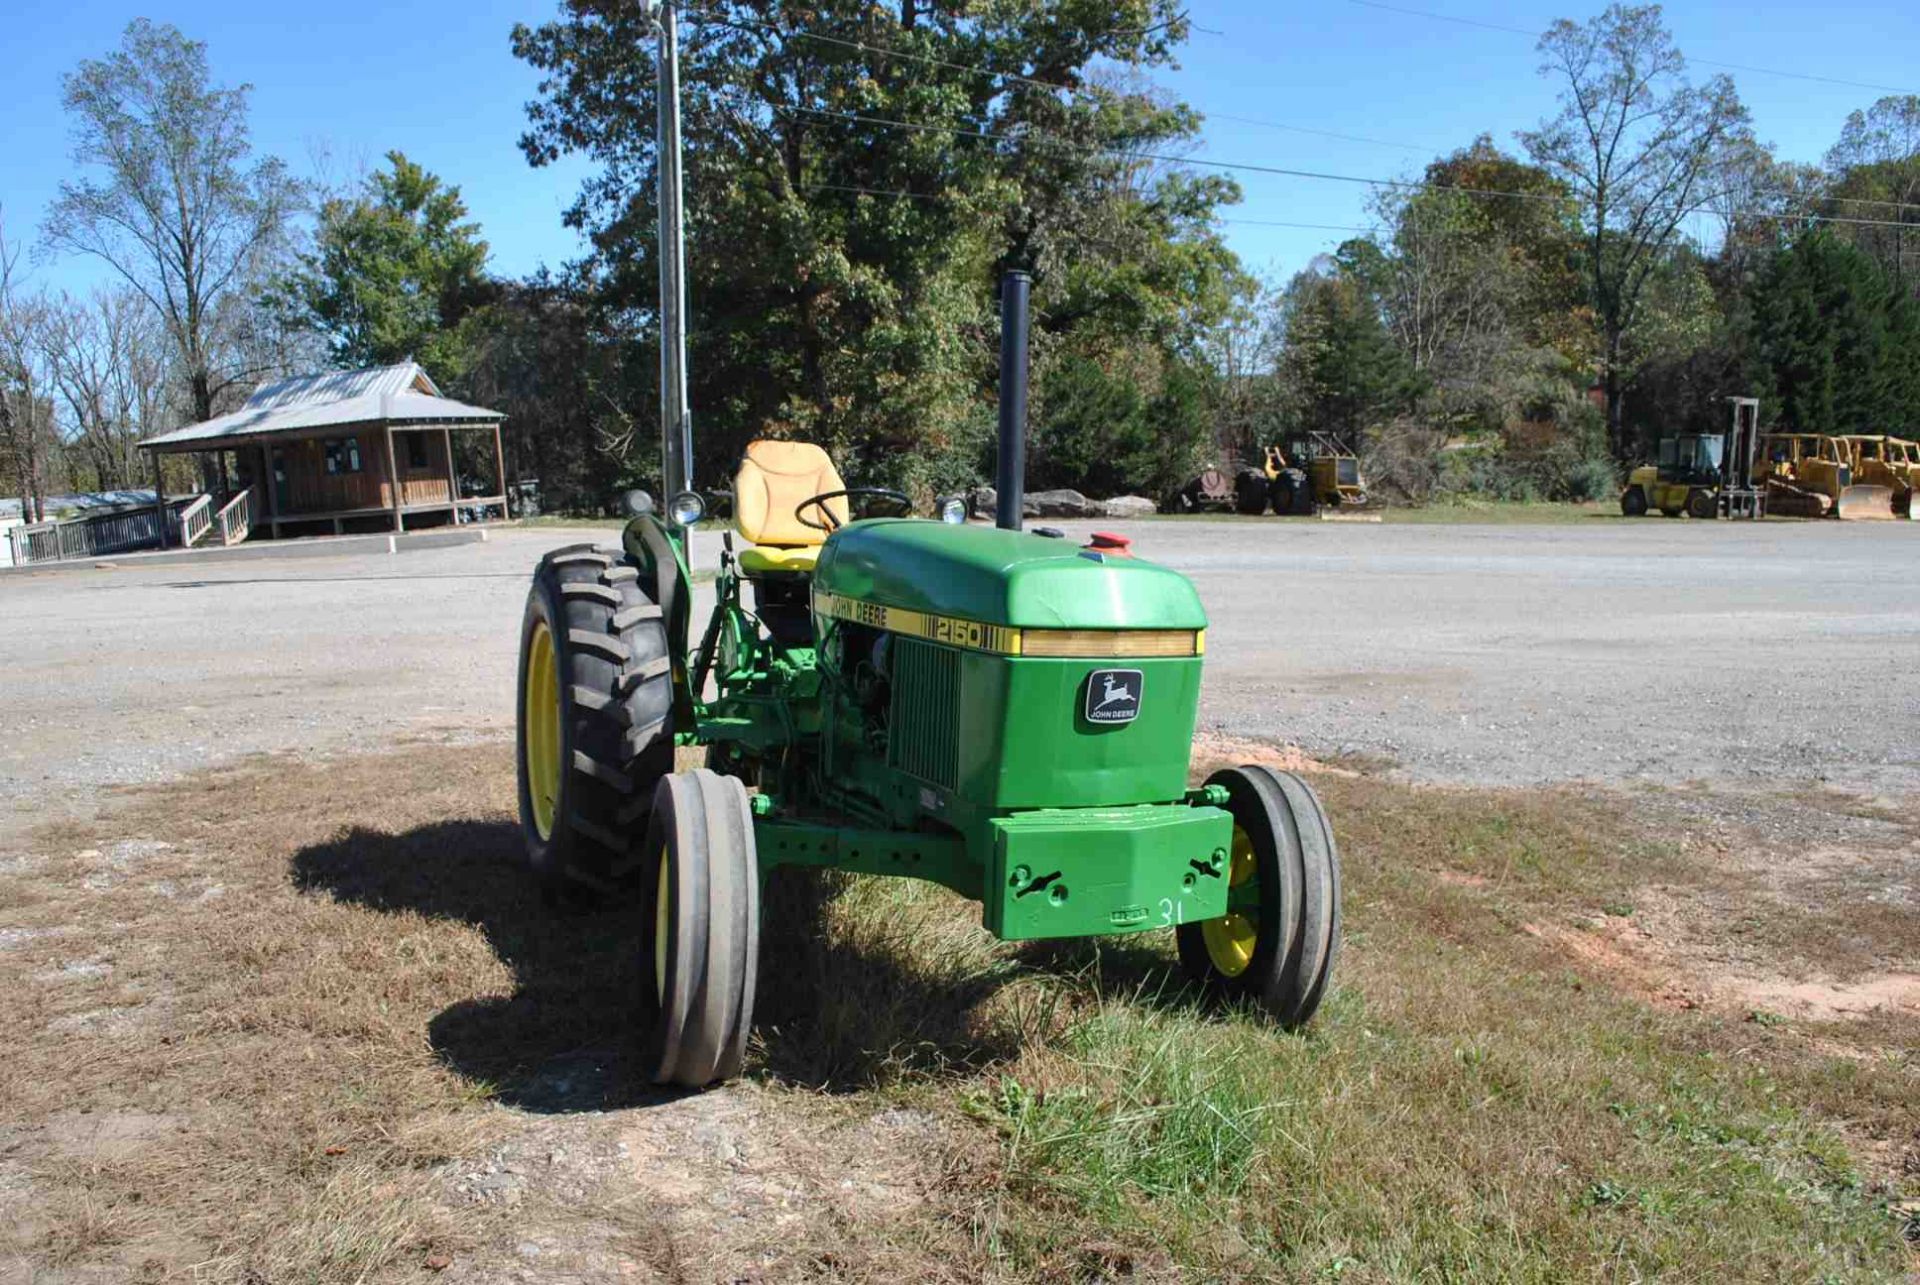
<point x="1687" y="478"/>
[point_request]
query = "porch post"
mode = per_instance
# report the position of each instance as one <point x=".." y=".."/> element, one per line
<point x="393" y="483"/>
<point x="453" y="476"/>
<point x="500" y="469"/>
<point x="272" y="488"/>
<point x="160" y="497"/>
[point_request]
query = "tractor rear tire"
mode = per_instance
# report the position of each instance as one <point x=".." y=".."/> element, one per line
<point x="595" y="717"/>
<point x="1633" y="502"/>
<point x="1250" y="493"/>
<point x="702" y="940"/>
<point x="1278" y="946"/>
<point x="1702" y="505"/>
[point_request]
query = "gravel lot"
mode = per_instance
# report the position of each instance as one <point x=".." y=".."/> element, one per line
<point x="1622" y="651"/>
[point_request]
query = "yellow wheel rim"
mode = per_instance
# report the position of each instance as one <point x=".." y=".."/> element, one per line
<point x="1231" y="938"/>
<point x="660" y="923"/>
<point x="540" y="720"/>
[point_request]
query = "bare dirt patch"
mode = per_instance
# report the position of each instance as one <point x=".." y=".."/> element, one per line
<point x="1212" y="750"/>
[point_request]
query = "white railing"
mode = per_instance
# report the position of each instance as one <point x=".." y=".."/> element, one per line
<point x="235" y="518"/>
<point x="35" y="542"/>
<point x="84" y="537"/>
<point x="196" y="520"/>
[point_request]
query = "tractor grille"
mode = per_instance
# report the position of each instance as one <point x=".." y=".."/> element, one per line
<point x="924" y="740"/>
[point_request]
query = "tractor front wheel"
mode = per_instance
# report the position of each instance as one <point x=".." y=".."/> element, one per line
<point x="1633" y="502"/>
<point x="1281" y="934"/>
<point x="1702" y="505"/>
<point x="595" y="706"/>
<point x="702" y="891"/>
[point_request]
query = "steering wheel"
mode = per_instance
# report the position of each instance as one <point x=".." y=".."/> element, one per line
<point x="902" y="506"/>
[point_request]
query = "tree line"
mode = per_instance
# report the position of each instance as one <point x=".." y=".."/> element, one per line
<point x="1520" y="321"/>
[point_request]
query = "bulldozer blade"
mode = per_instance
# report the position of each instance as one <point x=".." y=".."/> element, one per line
<point x="1864" y="502"/>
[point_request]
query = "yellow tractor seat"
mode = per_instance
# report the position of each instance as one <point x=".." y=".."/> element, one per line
<point x="772" y="559"/>
<point x="774" y="480"/>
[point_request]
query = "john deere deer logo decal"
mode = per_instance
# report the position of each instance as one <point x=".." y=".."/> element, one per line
<point x="1113" y="695"/>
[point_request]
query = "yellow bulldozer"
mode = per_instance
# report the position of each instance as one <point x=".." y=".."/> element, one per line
<point x="1812" y="475"/>
<point x="1892" y="462"/>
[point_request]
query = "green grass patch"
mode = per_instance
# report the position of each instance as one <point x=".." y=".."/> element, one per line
<point x="1467" y="1106"/>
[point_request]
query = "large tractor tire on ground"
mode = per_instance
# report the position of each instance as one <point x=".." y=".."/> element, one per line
<point x="1250" y="493"/>
<point x="1702" y="504"/>
<point x="1633" y="502"/>
<point x="702" y="889"/>
<point x="1280" y="937"/>
<point x="595" y="705"/>
<point x="1292" y="494"/>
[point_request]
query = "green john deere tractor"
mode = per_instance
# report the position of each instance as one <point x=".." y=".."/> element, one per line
<point x="1002" y="713"/>
<point x="1006" y="714"/>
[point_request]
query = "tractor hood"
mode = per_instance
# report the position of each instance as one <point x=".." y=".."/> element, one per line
<point x="1001" y="577"/>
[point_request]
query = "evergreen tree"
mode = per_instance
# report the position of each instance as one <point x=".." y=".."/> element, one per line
<point x="1835" y="342"/>
<point x="397" y="272"/>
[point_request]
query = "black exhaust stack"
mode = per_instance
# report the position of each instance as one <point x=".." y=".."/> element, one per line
<point x="1010" y="480"/>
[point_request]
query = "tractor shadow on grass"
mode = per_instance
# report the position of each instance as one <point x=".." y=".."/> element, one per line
<point x="829" y="1014"/>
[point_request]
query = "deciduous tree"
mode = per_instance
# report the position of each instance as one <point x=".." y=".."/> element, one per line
<point x="177" y="203"/>
<point x="1640" y="148"/>
<point x="857" y="178"/>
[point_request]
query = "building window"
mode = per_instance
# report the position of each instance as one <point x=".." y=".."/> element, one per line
<point x="343" y="454"/>
<point x="416" y="450"/>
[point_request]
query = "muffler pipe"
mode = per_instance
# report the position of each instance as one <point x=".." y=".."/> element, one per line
<point x="1010" y="471"/>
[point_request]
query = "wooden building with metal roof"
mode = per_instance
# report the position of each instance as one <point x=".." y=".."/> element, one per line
<point x="323" y="451"/>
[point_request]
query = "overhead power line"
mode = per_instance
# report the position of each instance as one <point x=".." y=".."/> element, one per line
<point x="1249" y="167"/>
<point x="928" y="60"/>
<point x="1704" y="62"/>
<point x="948" y="196"/>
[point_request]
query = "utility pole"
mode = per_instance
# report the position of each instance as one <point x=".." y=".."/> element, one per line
<point x="676" y="418"/>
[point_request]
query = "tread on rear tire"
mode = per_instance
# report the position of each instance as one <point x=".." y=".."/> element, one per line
<point x="614" y="688"/>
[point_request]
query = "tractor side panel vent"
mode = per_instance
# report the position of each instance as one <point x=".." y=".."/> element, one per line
<point x="924" y="739"/>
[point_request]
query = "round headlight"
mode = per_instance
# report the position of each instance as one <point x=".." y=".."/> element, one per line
<point x="637" y="504"/>
<point x="686" y="508"/>
<point x="953" y="509"/>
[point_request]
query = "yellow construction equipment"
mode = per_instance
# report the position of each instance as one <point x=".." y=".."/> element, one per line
<point x="1686" y="480"/>
<point x="1892" y="462"/>
<point x="1703" y="475"/>
<point x="1327" y="466"/>
<point x="1903" y="457"/>
<point x="1811" y="475"/>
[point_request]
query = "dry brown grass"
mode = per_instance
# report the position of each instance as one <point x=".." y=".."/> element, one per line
<point x="238" y="1073"/>
<point x="251" y="1042"/>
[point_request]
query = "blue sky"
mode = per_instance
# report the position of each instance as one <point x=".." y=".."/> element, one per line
<point x="350" y="80"/>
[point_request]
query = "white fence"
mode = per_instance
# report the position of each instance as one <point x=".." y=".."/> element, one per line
<point x="93" y="537"/>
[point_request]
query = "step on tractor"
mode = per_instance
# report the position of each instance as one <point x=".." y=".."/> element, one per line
<point x="1003" y="713"/>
